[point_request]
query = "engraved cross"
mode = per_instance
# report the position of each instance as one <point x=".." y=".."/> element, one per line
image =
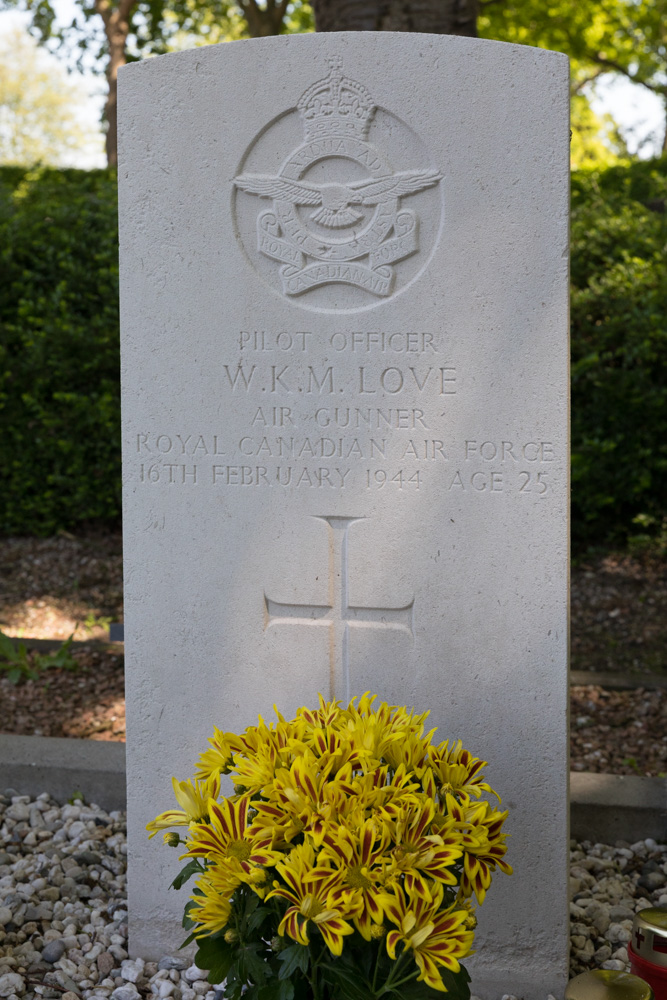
<point x="338" y="615"/>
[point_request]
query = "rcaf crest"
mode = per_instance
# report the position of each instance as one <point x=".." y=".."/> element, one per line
<point x="339" y="213"/>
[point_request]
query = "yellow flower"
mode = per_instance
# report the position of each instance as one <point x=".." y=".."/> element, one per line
<point x="352" y="818"/>
<point x="483" y="844"/>
<point x="333" y="750"/>
<point x="256" y="772"/>
<point x="328" y="714"/>
<point x="411" y="751"/>
<point x="263" y="749"/>
<point x="212" y="908"/>
<point x="457" y="771"/>
<point x="382" y="793"/>
<point x="194" y="802"/>
<point x="425" y="855"/>
<point x="324" y="901"/>
<point x="436" y="937"/>
<point x="307" y="800"/>
<point x="360" y="857"/>
<point x="227" y="840"/>
<point x="219" y="757"/>
<point x="372" y="733"/>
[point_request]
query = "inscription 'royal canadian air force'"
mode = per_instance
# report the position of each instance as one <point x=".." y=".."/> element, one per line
<point x="325" y="232"/>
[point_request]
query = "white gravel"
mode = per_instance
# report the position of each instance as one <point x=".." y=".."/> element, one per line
<point x="63" y="916"/>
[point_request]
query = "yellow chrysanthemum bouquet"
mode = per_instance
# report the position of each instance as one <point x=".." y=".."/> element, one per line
<point x="345" y="864"/>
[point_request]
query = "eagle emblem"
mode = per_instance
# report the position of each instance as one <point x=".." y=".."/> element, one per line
<point x="323" y="228"/>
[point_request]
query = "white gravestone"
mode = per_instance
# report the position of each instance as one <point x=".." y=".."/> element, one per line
<point x="345" y="394"/>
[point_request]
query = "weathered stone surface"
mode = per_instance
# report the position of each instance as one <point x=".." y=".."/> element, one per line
<point x="345" y="425"/>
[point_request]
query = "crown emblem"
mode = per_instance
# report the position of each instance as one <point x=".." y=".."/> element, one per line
<point x="336" y="106"/>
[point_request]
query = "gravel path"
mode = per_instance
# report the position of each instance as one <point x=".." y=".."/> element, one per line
<point x="63" y="916"/>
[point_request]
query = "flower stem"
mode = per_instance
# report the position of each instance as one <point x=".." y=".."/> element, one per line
<point x="391" y="982"/>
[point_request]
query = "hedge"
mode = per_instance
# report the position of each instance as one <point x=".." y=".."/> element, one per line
<point x="59" y="358"/>
<point x="59" y="391"/>
<point x="619" y="352"/>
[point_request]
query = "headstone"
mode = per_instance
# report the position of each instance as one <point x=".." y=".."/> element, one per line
<point x="345" y="390"/>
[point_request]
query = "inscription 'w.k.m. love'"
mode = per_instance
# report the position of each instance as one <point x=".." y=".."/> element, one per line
<point x="339" y="615"/>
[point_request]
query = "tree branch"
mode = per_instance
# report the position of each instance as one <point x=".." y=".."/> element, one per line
<point x="124" y="8"/>
<point x="103" y="8"/>
<point x="586" y="80"/>
<point x="618" y="68"/>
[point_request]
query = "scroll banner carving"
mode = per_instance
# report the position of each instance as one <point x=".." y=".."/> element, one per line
<point x="377" y="278"/>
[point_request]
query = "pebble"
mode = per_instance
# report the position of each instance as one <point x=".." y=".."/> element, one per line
<point x="194" y="974"/>
<point x="10" y="983"/>
<point x="53" y="951"/>
<point x="105" y="963"/>
<point x="128" y="992"/>
<point x="63" y="898"/>
<point x="131" y="971"/>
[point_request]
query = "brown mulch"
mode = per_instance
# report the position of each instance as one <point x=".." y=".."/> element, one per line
<point x="88" y="703"/>
<point x="619" y="614"/>
<point x="53" y="587"/>
<point x="618" y="732"/>
<point x="50" y="588"/>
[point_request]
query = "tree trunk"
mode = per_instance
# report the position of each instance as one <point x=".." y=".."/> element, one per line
<point x="264" y="21"/>
<point x="441" y="17"/>
<point x="116" y="28"/>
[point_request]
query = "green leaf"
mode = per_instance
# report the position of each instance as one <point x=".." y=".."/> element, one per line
<point x="187" y="922"/>
<point x="62" y="657"/>
<point x="296" y="956"/>
<point x="456" y="984"/>
<point x="7" y="650"/>
<point x="350" y="983"/>
<point x="193" y="867"/>
<point x="285" y="990"/>
<point x="257" y="918"/>
<point x="276" y="989"/>
<point x="215" y="955"/>
<point x="255" y="966"/>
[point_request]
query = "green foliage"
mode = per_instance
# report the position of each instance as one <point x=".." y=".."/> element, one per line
<point x="596" y="140"/>
<point x="619" y="351"/>
<point x="59" y="351"/>
<point x="625" y="37"/>
<point x="256" y="964"/>
<point x="24" y="666"/>
<point x="193" y="867"/>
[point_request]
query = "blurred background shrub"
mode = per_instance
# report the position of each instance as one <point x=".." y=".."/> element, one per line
<point x="619" y="353"/>
<point x="59" y="352"/>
